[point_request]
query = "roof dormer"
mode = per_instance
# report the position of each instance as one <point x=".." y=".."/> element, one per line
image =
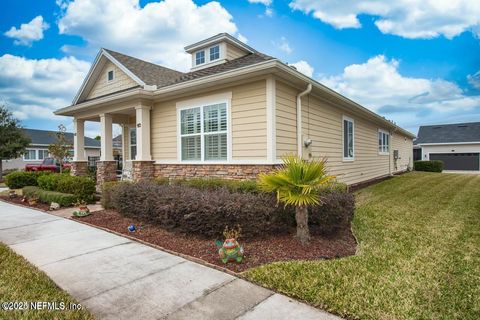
<point x="216" y="50"/>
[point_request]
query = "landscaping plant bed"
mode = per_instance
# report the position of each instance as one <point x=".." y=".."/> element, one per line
<point x="18" y="200"/>
<point x="257" y="251"/>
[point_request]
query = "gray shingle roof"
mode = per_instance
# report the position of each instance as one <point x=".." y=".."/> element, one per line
<point x="45" y="137"/>
<point x="153" y="74"/>
<point x="445" y="133"/>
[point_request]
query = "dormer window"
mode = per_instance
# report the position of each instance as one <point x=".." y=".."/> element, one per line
<point x="215" y="53"/>
<point x="110" y="76"/>
<point x="200" y="57"/>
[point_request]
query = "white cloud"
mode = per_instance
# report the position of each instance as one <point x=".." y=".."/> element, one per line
<point x="242" y="38"/>
<point x="156" y="32"/>
<point x="264" y="2"/>
<point x="28" y="32"/>
<point x="283" y="45"/>
<point x="474" y="80"/>
<point x="303" y="67"/>
<point x="378" y="85"/>
<point x="406" y="18"/>
<point x="35" y="88"/>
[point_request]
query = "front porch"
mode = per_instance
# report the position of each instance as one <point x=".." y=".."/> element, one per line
<point x="134" y="119"/>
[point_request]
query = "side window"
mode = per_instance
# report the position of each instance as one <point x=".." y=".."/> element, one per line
<point x="200" y="57"/>
<point x="110" y="76"/>
<point x="348" y="139"/>
<point x="383" y="142"/>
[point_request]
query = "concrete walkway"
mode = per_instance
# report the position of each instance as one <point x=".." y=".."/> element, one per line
<point x="117" y="278"/>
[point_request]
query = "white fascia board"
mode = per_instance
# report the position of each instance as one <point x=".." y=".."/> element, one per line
<point x="123" y="68"/>
<point x="87" y="78"/>
<point x="447" y="143"/>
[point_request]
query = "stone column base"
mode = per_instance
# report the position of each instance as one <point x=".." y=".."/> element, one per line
<point x="143" y="170"/>
<point x="79" y="168"/>
<point x="106" y="171"/>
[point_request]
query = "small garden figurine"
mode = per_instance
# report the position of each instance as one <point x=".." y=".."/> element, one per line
<point x="12" y="194"/>
<point x="132" y="228"/>
<point x="83" y="210"/>
<point x="54" y="206"/>
<point x="230" y="249"/>
<point x="32" y="201"/>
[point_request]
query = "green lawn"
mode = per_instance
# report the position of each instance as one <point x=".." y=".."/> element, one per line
<point x="20" y="281"/>
<point x="418" y="255"/>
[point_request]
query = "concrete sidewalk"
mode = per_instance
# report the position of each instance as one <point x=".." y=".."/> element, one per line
<point x="117" y="278"/>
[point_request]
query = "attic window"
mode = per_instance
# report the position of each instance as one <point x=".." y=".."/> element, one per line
<point x="110" y="76"/>
<point x="199" y="57"/>
<point x="214" y="53"/>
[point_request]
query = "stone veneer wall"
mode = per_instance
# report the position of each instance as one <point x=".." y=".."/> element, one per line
<point x="106" y="171"/>
<point x="143" y="170"/>
<point x="79" y="168"/>
<point x="186" y="171"/>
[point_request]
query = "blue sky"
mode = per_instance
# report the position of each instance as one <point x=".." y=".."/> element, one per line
<point x="415" y="64"/>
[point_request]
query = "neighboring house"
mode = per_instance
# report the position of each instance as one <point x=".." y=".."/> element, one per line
<point x="457" y="145"/>
<point x="38" y="149"/>
<point x="233" y="115"/>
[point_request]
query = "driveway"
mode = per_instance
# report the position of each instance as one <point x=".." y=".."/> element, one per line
<point x="117" y="278"/>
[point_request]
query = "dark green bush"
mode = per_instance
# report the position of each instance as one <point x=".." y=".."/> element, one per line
<point x="82" y="187"/>
<point x="202" y="212"/>
<point x="20" y="179"/>
<point x="249" y="186"/>
<point x="430" y="166"/>
<point x="108" y="188"/>
<point x="334" y="215"/>
<point x="63" y="199"/>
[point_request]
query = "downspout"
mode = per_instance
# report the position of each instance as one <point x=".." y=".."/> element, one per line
<point x="299" y="120"/>
<point x="390" y="149"/>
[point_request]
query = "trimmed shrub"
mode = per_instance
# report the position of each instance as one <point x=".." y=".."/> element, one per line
<point x="245" y="186"/>
<point x="202" y="212"/>
<point x="64" y="199"/>
<point x="82" y="187"/>
<point x="334" y="215"/>
<point x="333" y="187"/>
<point x="429" y="166"/>
<point x="20" y="179"/>
<point x="108" y="188"/>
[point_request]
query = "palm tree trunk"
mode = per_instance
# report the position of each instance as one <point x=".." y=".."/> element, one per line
<point x="301" y="217"/>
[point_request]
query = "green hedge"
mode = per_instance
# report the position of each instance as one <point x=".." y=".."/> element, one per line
<point x="430" y="166"/>
<point x="20" y="179"/>
<point x="63" y="199"/>
<point x="245" y="186"/>
<point x="82" y="187"/>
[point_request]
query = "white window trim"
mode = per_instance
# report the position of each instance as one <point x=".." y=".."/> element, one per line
<point x="113" y="79"/>
<point x="382" y="153"/>
<point x="222" y="56"/>
<point x="35" y="156"/>
<point x="204" y="57"/>
<point x="209" y="52"/>
<point x="199" y="103"/>
<point x="348" y="159"/>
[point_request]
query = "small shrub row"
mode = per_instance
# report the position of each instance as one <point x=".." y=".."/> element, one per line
<point x="63" y="199"/>
<point x="20" y="179"/>
<point x="208" y="211"/>
<point x="83" y="188"/>
<point x="245" y="186"/>
<point x="202" y="212"/>
<point x="429" y="166"/>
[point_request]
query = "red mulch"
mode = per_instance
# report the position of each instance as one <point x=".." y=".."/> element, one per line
<point x="257" y="252"/>
<point x="18" y="200"/>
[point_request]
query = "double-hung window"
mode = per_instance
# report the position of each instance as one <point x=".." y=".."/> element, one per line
<point x="42" y="154"/>
<point x="203" y="133"/>
<point x="30" y="155"/>
<point x="199" y="57"/>
<point x="383" y="142"/>
<point x="348" y="139"/>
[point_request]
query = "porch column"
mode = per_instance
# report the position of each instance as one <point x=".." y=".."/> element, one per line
<point x="106" y="167"/>
<point x="106" y="137"/>
<point x="125" y="143"/>
<point x="143" y="167"/>
<point x="143" y="133"/>
<point x="79" y="164"/>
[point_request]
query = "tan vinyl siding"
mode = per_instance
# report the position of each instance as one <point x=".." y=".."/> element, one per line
<point x="404" y="145"/>
<point x="322" y="123"/>
<point x="234" y="52"/>
<point x="120" y="82"/>
<point x="286" y="125"/>
<point x="248" y="123"/>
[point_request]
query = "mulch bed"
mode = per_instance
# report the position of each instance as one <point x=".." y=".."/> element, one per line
<point x="18" y="200"/>
<point x="257" y="252"/>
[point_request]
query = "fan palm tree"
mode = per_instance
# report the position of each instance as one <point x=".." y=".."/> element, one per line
<point x="296" y="183"/>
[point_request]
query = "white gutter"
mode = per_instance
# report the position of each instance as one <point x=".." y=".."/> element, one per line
<point x="299" y="120"/>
